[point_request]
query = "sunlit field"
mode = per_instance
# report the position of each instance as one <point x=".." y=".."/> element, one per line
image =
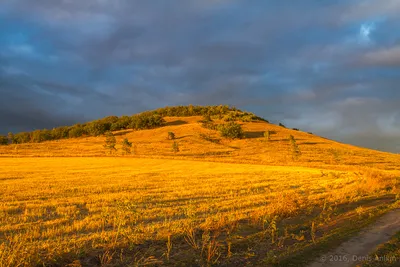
<point x="216" y="201"/>
<point x="133" y="212"/>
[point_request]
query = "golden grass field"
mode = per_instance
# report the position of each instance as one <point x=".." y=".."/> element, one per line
<point x="240" y="202"/>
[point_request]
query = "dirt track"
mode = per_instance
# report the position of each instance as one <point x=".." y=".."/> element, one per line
<point x="358" y="248"/>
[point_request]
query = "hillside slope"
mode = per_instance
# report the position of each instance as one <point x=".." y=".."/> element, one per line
<point x="254" y="148"/>
<point x="217" y="201"/>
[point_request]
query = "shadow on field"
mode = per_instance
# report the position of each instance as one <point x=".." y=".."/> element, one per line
<point x="251" y="135"/>
<point x="181" y="137"/>
<point x="123" y="132"/>
<point x="312" y="143"/>
<point x="175" y="123"/>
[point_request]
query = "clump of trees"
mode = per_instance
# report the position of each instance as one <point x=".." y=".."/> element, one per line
<point x="182" y="111"/>
<point x="145" y="120"/>
<point x="23" y="137"/>
<point x="231" y="130"/>
<point x="238" y="115"/>
<point x="93" y="128"/>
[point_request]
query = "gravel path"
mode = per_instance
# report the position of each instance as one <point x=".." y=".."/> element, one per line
<point x="358" y="248"/>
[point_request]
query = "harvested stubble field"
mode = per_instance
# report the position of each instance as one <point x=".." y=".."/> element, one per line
<point x="198" y="207"/>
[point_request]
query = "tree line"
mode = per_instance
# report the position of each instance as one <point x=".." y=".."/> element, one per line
<point x="145" y="120"/>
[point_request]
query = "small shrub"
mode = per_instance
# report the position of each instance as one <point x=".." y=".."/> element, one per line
<point x="295" y="129"/>
<point x="126" y="146"/>
<point x="296" y="153"/>
<point x="207" y="118"/>
<point x="209" y="125"/>
<point x="231" y="130"/>
<point x="175" y="147"/>
<point x="110" y="142"/>
<point x="281" y="124"/>
<point x="267" y="135"/>
<point x="171" y="136"/>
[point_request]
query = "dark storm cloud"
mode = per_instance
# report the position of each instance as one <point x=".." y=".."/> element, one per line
<point x="327" y="67"/>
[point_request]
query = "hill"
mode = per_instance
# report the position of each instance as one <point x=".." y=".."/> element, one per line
<point x="250" y="201"/>
<point x="199" y="143"/>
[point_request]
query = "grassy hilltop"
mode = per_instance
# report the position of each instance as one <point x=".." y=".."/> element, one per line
<point x="271" y="197"/>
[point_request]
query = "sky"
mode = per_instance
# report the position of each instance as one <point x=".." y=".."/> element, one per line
<point x="325" y="66"/>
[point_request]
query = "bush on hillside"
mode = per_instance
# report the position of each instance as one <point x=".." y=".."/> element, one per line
<point x="210" y="125"/>
<point x="76" y="131"/>
<point x="60" y="133"/>
<point x="23" y="137"/>
<point x="171" y="136"/>
<point x="97" y="128"/>
<point x="242" y="116"/>
<point x="231" y="130"/>
<point x="126" y="146"/>
<point x="146" y="121"/>
<point x="110" y="142"/>
<point x="39" y="136"/>
<point x="3" y="140"/>
<point x="175" y="147"/>
<point x="296" y="153"/>
<point x="121" y="124"/>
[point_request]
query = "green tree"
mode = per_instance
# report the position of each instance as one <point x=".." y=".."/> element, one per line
<point x="60" y="133"/>
<point x="3" y="140"/>
<point x="39" y="136"/>
<point x="22" y="137"/>
<point x="76" y="131"/>
<point x="175" y="147"/>
<point x="110" y="142"/>
<point x="126" y="146"/>
<point x="97" y="128"/>
<point x="231" y="130"/>
<point x="296" y="153"/>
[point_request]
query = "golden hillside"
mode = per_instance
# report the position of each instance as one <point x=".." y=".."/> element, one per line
<point x="315" y="151"/>
<point x="216" y="202"/>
